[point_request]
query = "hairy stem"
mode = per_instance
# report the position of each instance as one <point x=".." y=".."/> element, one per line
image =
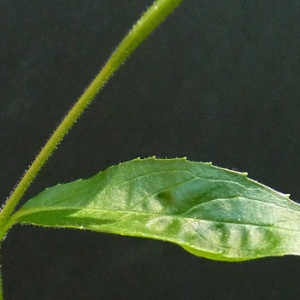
<point x="155" y="14"/>
<point x="144" y="26"/>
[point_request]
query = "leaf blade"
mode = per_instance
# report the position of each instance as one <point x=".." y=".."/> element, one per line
<point x="209" y="211"/>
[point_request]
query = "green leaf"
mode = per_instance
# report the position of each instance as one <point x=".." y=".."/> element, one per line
<point x="209" y="211"/>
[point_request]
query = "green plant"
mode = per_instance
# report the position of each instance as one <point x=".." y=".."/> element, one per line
<point x="209" y="211"/>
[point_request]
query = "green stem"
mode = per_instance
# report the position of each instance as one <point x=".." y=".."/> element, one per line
<point x="155" y="14"/>
<point x="144" y="26"/>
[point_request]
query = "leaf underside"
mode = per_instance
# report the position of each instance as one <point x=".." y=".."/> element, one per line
<point x="209" y="211"/>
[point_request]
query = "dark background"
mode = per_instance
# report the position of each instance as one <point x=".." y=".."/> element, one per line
<point x="218" y="81"/>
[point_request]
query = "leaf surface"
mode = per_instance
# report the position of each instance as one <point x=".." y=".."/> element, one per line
<point x="209" y="211"/>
